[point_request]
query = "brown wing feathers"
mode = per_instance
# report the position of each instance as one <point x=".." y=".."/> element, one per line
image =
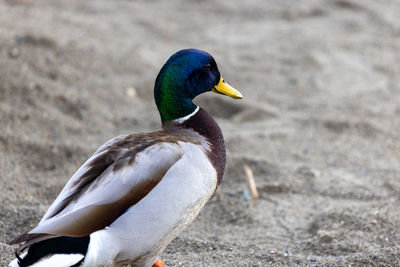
<point x="117" y="156"/>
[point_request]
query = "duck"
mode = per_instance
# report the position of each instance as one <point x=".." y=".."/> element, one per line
<point x="137" y="192"/>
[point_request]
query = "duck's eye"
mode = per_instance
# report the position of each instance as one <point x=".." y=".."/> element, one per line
<point x="207" y="66"/>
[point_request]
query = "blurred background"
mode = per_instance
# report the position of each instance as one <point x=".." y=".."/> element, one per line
<point x="319" y="125"/>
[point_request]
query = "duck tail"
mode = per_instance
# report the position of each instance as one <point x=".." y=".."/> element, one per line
<point x="57" y="251"/>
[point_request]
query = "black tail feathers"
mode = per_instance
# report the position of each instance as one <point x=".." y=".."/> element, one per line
<point x="57" y="245"/>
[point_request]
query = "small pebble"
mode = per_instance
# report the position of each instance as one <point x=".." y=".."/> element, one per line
<point x="246" y="195"/>
<point x="131" y="92"/>
<point x="375" y="257"/>
<point x="298" y="261"/>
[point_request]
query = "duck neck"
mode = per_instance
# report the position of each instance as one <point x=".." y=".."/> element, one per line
<point x="173" y="108"/>
<point x="171" y="99"/>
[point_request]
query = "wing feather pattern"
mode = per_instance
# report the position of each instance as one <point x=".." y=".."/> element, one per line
<point x="116" y="177"/>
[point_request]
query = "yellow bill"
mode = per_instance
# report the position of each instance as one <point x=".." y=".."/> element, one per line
<point x="223" y="88"/>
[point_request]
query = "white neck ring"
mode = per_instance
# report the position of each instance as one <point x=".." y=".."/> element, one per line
<point x="183" y="119"/>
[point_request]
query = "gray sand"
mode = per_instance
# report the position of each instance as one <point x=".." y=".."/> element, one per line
<point x="319" y="125"/>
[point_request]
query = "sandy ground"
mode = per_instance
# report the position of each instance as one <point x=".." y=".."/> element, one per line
<point x="319" y="125"/>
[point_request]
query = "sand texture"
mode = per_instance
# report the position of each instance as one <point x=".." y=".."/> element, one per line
<point x="319" y="125"/>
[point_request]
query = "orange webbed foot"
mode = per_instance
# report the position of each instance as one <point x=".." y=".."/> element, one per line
<point x="158" y="263"/>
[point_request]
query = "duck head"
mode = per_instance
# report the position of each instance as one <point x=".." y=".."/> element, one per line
<point x="187" y="74"/>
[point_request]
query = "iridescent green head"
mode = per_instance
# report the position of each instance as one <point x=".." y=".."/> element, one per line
<point x="187" y="74"/>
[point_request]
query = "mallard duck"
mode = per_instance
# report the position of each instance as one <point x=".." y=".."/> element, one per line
<point x="137" y="192"/>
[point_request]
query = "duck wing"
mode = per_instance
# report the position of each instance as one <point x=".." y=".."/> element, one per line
<point x="116" y="177"/>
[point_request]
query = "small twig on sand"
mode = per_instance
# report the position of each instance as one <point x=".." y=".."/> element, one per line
<point x="251" y="183"/>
